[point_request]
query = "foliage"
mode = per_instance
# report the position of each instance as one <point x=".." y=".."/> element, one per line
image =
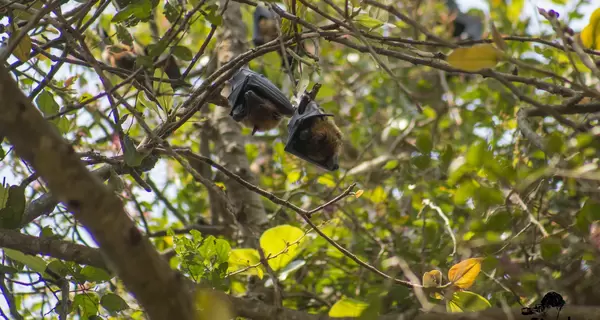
<point x="474" y="160"/>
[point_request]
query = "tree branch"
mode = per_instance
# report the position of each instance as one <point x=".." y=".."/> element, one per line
<point x="149" y="277"/>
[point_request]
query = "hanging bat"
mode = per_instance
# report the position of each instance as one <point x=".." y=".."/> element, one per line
<point x="265" y="25"/>
<point x="471" y="25"/>
<point x="120" y="56"/>
<point x="313" y="136"/>
<point x="257" y="102"/>
<point x="123" y="56"/>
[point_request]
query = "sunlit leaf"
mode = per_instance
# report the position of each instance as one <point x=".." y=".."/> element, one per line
<point x="368" y="22"/>
<point x="93" y="274"/>
<point x="34" y="263"/>
<point x="466" y="301"/>
<point x="23" y="49"/>
<point x="347" y="307"/>
<point x="88" y="303"/>
<point x="212" y="307"/>
<point x="282" y="244"/>
<point x="463" y="274"/>
<point x="590" y="35"/>
<point x="474" y="58"/>
<point x="243" y="258"/>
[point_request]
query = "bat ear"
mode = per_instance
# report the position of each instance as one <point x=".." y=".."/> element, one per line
<point x="298" y="146"/>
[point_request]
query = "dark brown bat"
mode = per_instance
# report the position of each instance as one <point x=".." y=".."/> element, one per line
<point x="323" y="139"/>
<point x="313" y="136"/>
<point x="120" y="56"/>
<point x="262" y="115"/>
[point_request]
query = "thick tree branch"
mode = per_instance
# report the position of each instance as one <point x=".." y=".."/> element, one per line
<point x="159" y="289"/>
<point x="51" y="247"/>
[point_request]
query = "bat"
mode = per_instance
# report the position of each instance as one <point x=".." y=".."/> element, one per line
<point x="313" y="136"/>
<point x="257" y="102"/>
<point x="120" y="56"/>
<point x="472" y="26"/>
<point x="265" y="25"/>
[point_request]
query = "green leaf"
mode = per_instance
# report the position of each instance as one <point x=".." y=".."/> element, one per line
<point x="243" y="258"/>
<point x="12" y="213"/>
<point x="93" y="274"/>
<point x="172" y="11"/>
<point x="140" y="9"/>
<point x="88" y="303"/>
<point x="164" y="90"/>
<point x="213" y="16"/>
<point x="7" y="269"/>
<point x="3" y="195"/>
<point x="293" y="176"/>
<point x="123" y="35"/>
<point x="58" y="267"/>
<point x="476" y="154"/>
<point x="390" y="165"/>
<point x="326" y="180"/>
<point x="550" y="248"/>
<point x="46" y="103"/>
<point x="368" y="22"/>
<point x="466" y="301"/>
<point x="113" y="303"/>
<point x="424" y="143"/>
<point x="143" y="100"/>
<point x="347" y="307"/>
<point x="123" y="15"/>
<point x="183" y="53"/>
<point x="133" y="158"/>
<point x="34" y="263"/>
<point x="275" y="241"/>
<point x="222" y="249"/>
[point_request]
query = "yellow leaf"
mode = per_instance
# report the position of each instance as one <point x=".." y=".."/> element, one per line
<point x="23" y="49"/>
<point x="474" y="58"/>
<point x="463" y="274"/>
<point x="590" y="35"/>
<point x="359" y="193"/>
<point x="212" y="307"/>
<point x="347" y="307"/>
<point x="245" y="259"/>
<point x="432" y="278"/>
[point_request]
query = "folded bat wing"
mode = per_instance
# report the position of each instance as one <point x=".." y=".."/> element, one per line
<point x="247" y="80"/>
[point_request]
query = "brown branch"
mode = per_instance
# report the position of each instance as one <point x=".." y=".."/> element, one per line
<point x="150" y="279"/>
<point x="51" y="247"/>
